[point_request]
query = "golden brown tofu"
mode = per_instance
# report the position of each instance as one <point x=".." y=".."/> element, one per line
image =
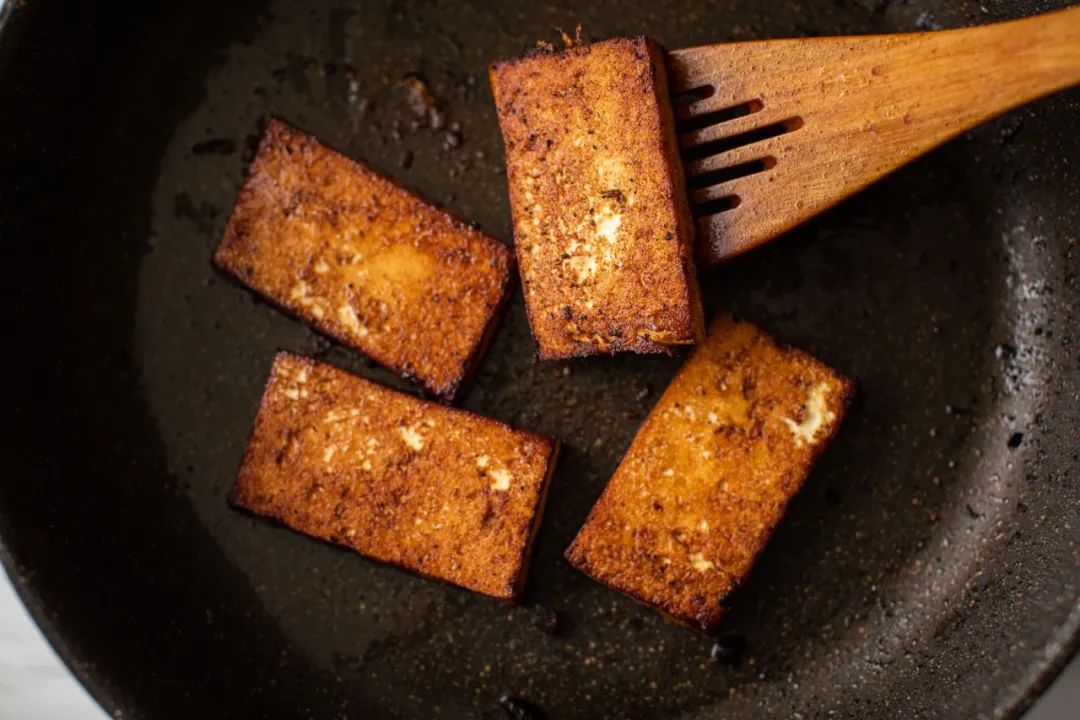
<point x="601" y="221"/>
<point x="442" y="492"/>
<point x="710" y="473"/>
<point x="365" y="261"/>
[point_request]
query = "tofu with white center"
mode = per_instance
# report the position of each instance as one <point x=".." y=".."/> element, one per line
<point x="815" y="415"/>
<point x="366" y="261"/>
<point x="442" y="492"/>
<point x="710" y="472"/>
<point x="412" y="438"/>
<point x="602" y="226"/>
<point x="501" y="479"/>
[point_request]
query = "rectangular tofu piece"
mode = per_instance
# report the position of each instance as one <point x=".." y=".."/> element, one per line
<point x="365" y="261"/>
<point x="439" y="491"/>
<point x="601" y="222"/>
<point x="710" y="473"/>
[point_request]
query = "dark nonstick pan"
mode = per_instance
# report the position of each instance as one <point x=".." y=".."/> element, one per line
<point x="930" y="568"/>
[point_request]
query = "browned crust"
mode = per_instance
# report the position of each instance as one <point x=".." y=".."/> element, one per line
<point x="366" y="261"/>
<point x="607" y="264"/>
<point x="472" y="364"/>
<point x="442" y="492"/>
<point x="538" y="519"/>
<point x="710" y="474"/>
<point x="677" y="193"/>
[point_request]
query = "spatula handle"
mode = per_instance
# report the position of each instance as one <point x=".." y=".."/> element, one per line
<point x="1016" y="62"/>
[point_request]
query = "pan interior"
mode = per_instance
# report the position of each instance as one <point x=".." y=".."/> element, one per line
<point x="927" y="569"/>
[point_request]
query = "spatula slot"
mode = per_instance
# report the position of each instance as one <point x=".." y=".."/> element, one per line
<point x="719" y="205"/>
<point x="704" y="180"/>
<point x="691" y="96"/>
<point x="716" y="117"/>
<point x="746" y="138"/>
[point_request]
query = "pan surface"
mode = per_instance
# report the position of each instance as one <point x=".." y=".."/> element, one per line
<point x="930" y="568"/>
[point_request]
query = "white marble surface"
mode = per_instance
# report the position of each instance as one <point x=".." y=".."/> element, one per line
<point x="35" y="684"/>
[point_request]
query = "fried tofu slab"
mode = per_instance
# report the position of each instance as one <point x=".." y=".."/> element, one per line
<point x="602" y="227"/>
<point x="365" y="261"/>
<point x="710" y="473"/>
<point x="439" y="491"/>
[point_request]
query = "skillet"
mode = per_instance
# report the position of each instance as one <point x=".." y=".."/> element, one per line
<point x="930" y="567"/>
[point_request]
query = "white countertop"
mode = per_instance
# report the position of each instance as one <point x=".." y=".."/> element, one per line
<point x="35" y="684"/>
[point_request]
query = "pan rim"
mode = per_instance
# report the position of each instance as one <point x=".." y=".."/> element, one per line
<point x="1065" y="638"/>
<point x="1052" y="656"/>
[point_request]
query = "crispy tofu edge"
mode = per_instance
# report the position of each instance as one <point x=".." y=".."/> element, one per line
<point x="236" y="499"/>
<point x="575" y="554"/>
<point x="677" y="195"/>
<point x="680" y="197"/>
<point x="453" y="392"/>
<point x="518" y="584"/>
<point x="446" y="393"/>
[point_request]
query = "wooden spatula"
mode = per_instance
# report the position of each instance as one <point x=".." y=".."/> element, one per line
<point x="776" y="131"/>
